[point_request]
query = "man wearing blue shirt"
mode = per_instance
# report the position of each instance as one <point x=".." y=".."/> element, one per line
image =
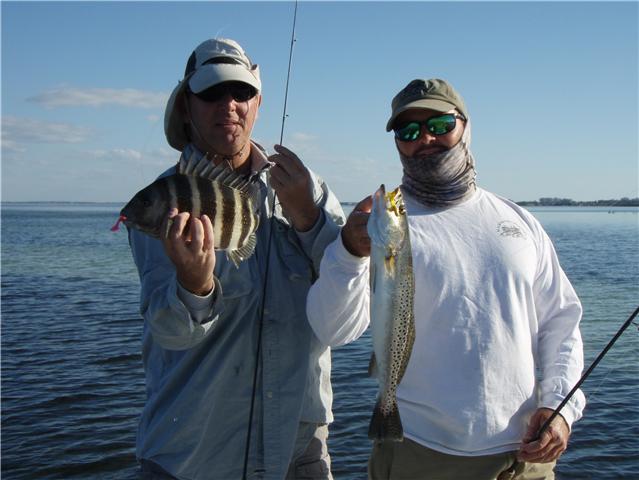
<point x="203" y="316"/>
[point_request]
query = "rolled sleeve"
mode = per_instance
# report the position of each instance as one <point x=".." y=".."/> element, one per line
<point x="177" y="321"/>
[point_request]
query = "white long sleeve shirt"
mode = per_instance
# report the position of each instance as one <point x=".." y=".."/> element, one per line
<point x="496" y="319"/>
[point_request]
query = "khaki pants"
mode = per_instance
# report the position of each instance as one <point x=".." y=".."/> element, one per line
<point x="311" y="460"/>
<point x="408" y="460"/>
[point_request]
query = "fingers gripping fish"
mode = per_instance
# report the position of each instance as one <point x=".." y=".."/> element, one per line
<point x="199" y="187"/>
<point x="392" y="318"/>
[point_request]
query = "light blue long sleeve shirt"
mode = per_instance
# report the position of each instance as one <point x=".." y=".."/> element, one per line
<point x="199" y="352"/>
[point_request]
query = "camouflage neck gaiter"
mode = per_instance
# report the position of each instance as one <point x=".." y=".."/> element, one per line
<point x="441" y="179"/>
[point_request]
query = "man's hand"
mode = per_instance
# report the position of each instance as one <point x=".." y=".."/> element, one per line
<point x="354" y="234"/>
<point x="189" y="245"/>
<point x="292" y="182"/>
<point x="552" y="442"/>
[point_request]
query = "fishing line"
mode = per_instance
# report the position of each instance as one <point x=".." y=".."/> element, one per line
<point x="595" y="390"/>
<point x="258" y="352"/>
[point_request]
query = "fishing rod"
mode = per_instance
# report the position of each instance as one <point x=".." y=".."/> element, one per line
<point x="288" y="74"/>
<point x="623" y="328"/>
<point x="509" y="474"/>
<point x="258" y="351"/>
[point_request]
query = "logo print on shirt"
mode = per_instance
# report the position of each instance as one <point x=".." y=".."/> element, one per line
<point x="510" y="229"/>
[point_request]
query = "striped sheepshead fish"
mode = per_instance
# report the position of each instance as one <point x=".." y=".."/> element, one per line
<point x="391" y="308"/>
<point x="199" y="187"/>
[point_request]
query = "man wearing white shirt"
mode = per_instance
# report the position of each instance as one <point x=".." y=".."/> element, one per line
<point x="497" y="344"/>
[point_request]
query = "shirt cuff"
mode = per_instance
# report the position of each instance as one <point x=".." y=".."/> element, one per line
<point x="307" y="238"/>
<point x="345" y="259"/>
<point x="200" y="307"/>
<point x="338" y="259"/>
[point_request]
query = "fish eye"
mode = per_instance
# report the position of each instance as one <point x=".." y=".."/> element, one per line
<point x="145" y="201"/>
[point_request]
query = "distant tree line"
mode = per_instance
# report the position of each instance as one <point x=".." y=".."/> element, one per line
<point x="567" y="202"/>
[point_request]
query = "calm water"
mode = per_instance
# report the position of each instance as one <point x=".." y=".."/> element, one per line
<point x="72" y="381"/>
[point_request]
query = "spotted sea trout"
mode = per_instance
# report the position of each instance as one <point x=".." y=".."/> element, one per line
<point x="391" y="308"/>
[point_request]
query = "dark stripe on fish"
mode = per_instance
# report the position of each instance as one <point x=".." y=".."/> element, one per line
<point x="165" y="192"/>
<point x="183" y="192"/>
<point x="207" y="197"/>
<point x="180" y="192"/>
<point x="247" y="219"/>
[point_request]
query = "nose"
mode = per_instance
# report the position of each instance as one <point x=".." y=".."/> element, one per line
<point x="227" y="101"/>
<point x="425" y="137"/>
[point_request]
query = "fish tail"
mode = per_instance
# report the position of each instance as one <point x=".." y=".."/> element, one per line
<point x="386" y="426"/>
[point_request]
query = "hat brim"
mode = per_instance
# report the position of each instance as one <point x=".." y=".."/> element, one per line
<point x="210" y="75"/>
<point x="173" y="119"/>
<point x="425" y="104"/>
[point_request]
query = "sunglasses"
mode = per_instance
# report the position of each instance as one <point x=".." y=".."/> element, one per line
<point x="437" y="125"/>
<point x="240" y="92"/>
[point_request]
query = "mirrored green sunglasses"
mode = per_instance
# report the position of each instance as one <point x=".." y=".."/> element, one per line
<point x="437" y="125"/>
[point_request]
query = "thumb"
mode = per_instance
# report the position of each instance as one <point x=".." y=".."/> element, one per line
<point x="535" y="424"/>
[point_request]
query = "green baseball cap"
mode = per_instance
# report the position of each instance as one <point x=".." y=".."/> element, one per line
<point x="433" y="94"/>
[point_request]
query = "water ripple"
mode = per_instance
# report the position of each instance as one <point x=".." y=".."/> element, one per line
<point x="73" y="383"/>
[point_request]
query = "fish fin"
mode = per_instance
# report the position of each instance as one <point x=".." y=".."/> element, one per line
<point x="386" y="427"/>
<point x="372" y="366"/>
<point x="206" y="168"/>
<point x="233" y="256"/>
<point x="244" y="252"/>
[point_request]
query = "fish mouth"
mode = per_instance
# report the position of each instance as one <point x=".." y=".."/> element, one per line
<point x="395" y="202"/>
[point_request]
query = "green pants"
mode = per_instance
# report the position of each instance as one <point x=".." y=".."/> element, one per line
<point x="408" y="460"/>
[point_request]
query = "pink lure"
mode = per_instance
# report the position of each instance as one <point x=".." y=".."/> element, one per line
<point x="116" y="227"/>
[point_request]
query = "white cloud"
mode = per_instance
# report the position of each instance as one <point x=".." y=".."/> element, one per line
<point x="17" y="131"/>
<point x="117" y="153"/>
<point x="156" y="158"/>
<point x="11" y="146"/>
<point x="302" y="137"/>
<point x="67" y="96"/>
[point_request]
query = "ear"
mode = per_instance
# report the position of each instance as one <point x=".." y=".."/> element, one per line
<point x="259" y="102"/>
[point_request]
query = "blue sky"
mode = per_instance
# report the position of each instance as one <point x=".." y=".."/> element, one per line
<point x="551" y="88"/>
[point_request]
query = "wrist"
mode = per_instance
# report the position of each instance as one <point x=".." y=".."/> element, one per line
<point x="304" y="220"/>
<point x="199" y="289"/>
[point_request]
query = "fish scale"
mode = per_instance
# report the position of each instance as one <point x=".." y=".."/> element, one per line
<point x="391" y="309"/>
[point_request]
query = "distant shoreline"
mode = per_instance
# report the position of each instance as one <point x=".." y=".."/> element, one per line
<point x="567" y="202"/>
<point x="542" y="202"/>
